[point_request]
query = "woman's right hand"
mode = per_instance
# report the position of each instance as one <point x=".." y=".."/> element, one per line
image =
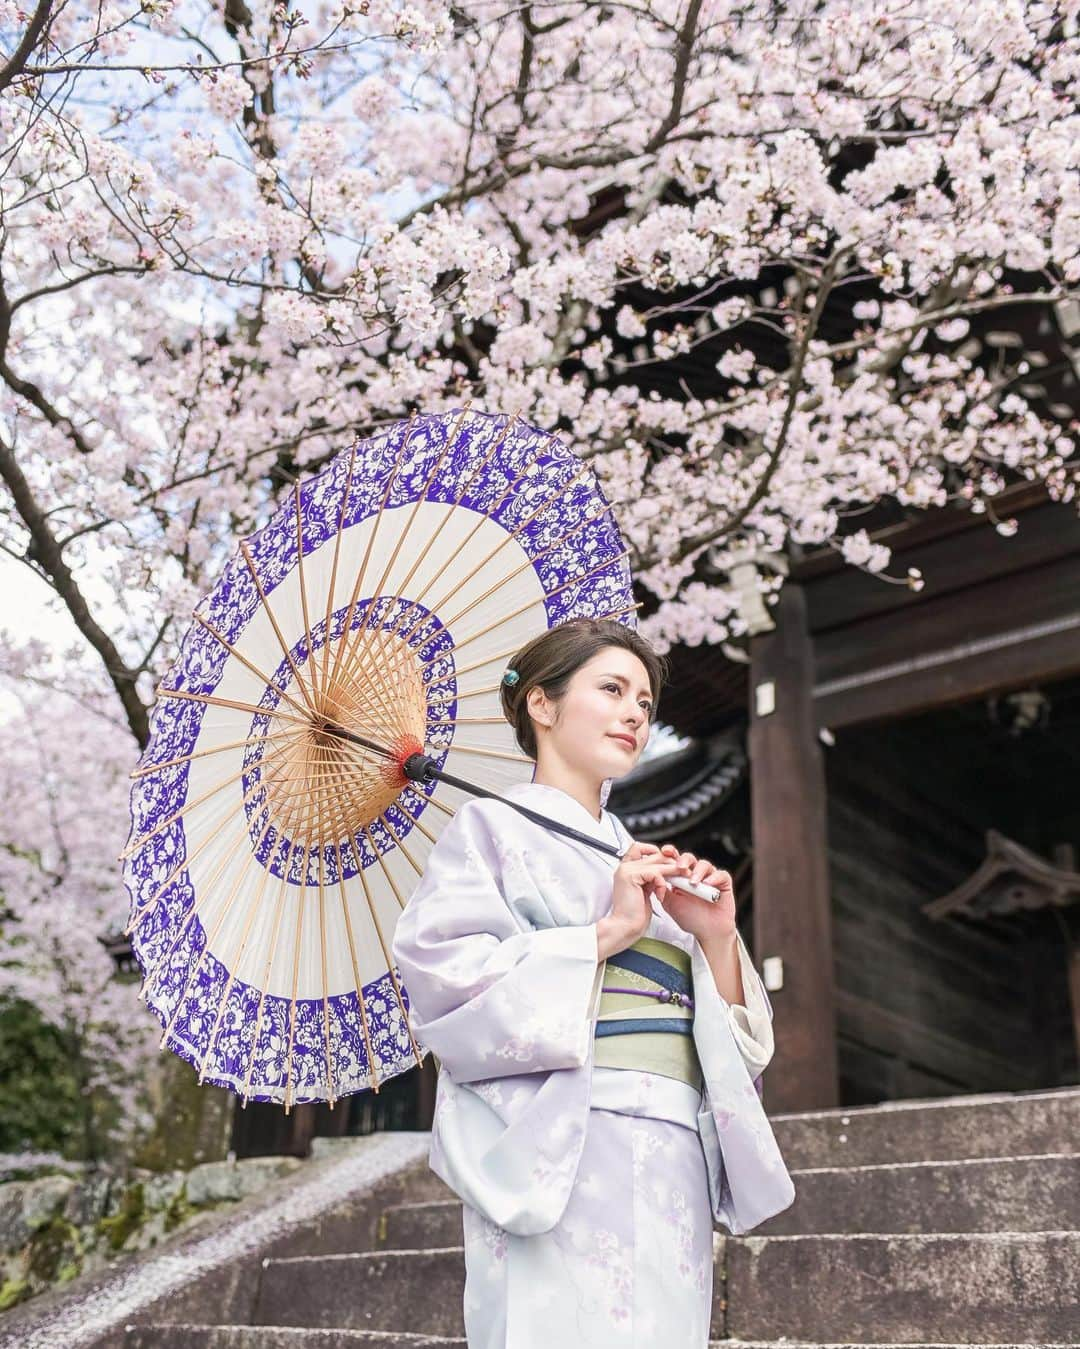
<point x="641" y="874"/>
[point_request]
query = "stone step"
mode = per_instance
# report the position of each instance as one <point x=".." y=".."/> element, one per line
<point x="419" y="1227"/>
<point x="1002" y="1287"/>
<point x="291" y="1337"/>
<point x="998" y="1194"/>
<point x="1000" y="1124"/>
<point x="166" y="1336"/>
<point x="903" y="1288"/>
<point x="416" y="1291"/>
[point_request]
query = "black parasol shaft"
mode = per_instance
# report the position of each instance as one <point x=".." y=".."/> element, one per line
<point x="422" y="768"/>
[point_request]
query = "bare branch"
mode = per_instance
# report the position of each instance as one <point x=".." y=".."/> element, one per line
<point x="51" y="559"/>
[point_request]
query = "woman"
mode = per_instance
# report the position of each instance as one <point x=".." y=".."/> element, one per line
<point x="599" y="1033"/>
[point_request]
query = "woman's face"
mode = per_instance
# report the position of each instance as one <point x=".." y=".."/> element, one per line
<point x="601" y="725"/>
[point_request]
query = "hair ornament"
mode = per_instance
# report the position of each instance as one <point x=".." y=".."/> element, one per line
<point x="510" y="677"/>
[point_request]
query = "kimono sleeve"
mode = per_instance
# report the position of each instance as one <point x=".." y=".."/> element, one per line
<point x="751" y="1023"/>
<point x="489" y="996"/>
<point x="748" y="1181"/>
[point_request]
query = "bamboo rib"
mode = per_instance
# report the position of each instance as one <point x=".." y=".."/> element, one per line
<point x="370" y="1053"/>
<point x="362" y="571"/>
<point x="437" y="531"/>
<point x="441" y="805"/>
<point x="309" y="639"/>
<point x="321" y="872"/>
<point x="347" y="665"/>
<point x="253" y="909"/>
<point x="211" y="936"/>
<point x="526" y="565"/>
<point x="461" y="694"/>
<point x="468" y="721"/>
<point x="197" y="899"/>
<point x="144" y="909"/>
<point x="147" y="769"/>
<point x="342" y="771"/>
<point x="213" y="700"/>
<point x="417" y="820"/>
<point x="460" y="670"/>
<point x="531" y="460"/>
<point x="349" y="696"/>
<point x="385" y="821"/>
<point x="297" y="939"/>
<point x="508" y="537"/>
<point x="286" y="652"/>
<point x="418" y="599"/>
<point x="278" y="911"/>
<point x="540" y="599"/>
<point x="259" y="674"/>
<point x="387" y="956"/>
<point x="334" y="569"/>
<point x="189" y="807"/>
<point x="356" y="642"/>
<point x="462" y="581"/>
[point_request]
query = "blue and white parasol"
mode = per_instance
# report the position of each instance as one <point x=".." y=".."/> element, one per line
<point x="275" y="838"/>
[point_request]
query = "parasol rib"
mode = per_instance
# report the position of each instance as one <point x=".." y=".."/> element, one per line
<point x="269" y="609"/>
<point x="387" y="957"/>
<point x="365" y="1029"/>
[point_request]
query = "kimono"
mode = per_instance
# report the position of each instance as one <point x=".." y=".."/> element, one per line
<point x="589" y="1193"/>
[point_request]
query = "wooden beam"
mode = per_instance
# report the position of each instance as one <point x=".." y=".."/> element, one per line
<point x="971" y="557"/>
<point x="792" y="917"/>
<point x="1022" y="628"/>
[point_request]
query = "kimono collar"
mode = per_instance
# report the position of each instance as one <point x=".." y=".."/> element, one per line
<point x="560" y="805"/>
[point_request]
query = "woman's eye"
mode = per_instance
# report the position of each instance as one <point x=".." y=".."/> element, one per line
<point x="644" y="702"/>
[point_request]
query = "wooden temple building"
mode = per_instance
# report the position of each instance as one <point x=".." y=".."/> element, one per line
<point x="894" y="779"/>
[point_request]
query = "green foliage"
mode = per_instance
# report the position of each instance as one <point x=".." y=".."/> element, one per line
<point x="128" y="1219"/>
<point x="40" y="1105"/>
<point x="12" y="1291"/>
<point x="54" y="1248"/>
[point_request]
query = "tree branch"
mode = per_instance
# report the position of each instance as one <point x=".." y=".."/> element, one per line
<point x="48" y="552"/>
<point x="15" y="67"/>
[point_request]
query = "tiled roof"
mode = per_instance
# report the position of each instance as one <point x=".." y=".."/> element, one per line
<point x="699" y="793"/>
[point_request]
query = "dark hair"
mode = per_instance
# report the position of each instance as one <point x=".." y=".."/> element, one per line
<point x="551" y="660"/>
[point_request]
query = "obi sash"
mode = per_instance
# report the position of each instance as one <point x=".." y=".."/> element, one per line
<point x="646" y="1017"/>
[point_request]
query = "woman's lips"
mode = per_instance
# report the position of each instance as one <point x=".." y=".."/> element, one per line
<point x="626" y="740"/>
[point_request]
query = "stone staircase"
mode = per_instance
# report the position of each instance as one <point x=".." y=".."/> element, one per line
<point x="952" y="1222"/>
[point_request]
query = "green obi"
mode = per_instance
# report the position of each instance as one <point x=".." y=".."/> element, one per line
<point x="646" y="1018"/>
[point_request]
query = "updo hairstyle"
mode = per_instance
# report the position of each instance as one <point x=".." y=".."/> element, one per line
<point x="551" y="660"/>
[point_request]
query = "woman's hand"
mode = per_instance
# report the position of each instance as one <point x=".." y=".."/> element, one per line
<point x="707" y="920"/>
<point x="641" y="875"/>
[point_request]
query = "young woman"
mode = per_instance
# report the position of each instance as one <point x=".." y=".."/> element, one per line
<point x="599" y="1033"/>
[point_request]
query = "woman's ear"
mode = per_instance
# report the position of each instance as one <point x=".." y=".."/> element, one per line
<point x="538" y="705"/>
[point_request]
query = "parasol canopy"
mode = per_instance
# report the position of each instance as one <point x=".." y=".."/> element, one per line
<point x="274" y="837"/>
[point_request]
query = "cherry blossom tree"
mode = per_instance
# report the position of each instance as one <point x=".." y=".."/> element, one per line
<point x="234" y="237"/>
<point x="744" y="256"/>
<point x="63" y="824"/>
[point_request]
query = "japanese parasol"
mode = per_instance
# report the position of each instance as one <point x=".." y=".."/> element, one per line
<point x="275" y="833"/>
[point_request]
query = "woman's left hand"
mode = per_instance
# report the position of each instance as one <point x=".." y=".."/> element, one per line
<point x="703" y="918"/>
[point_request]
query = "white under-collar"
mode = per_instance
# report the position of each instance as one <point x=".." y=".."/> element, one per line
<point x="560" y="805"/>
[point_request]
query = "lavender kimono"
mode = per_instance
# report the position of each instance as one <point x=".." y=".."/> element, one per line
<point x="589" y="1192"/>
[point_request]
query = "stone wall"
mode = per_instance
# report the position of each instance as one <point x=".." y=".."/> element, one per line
<point x="55" y="1226"/>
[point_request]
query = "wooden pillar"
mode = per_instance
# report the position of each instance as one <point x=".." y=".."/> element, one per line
<point x="791" y="884"/>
